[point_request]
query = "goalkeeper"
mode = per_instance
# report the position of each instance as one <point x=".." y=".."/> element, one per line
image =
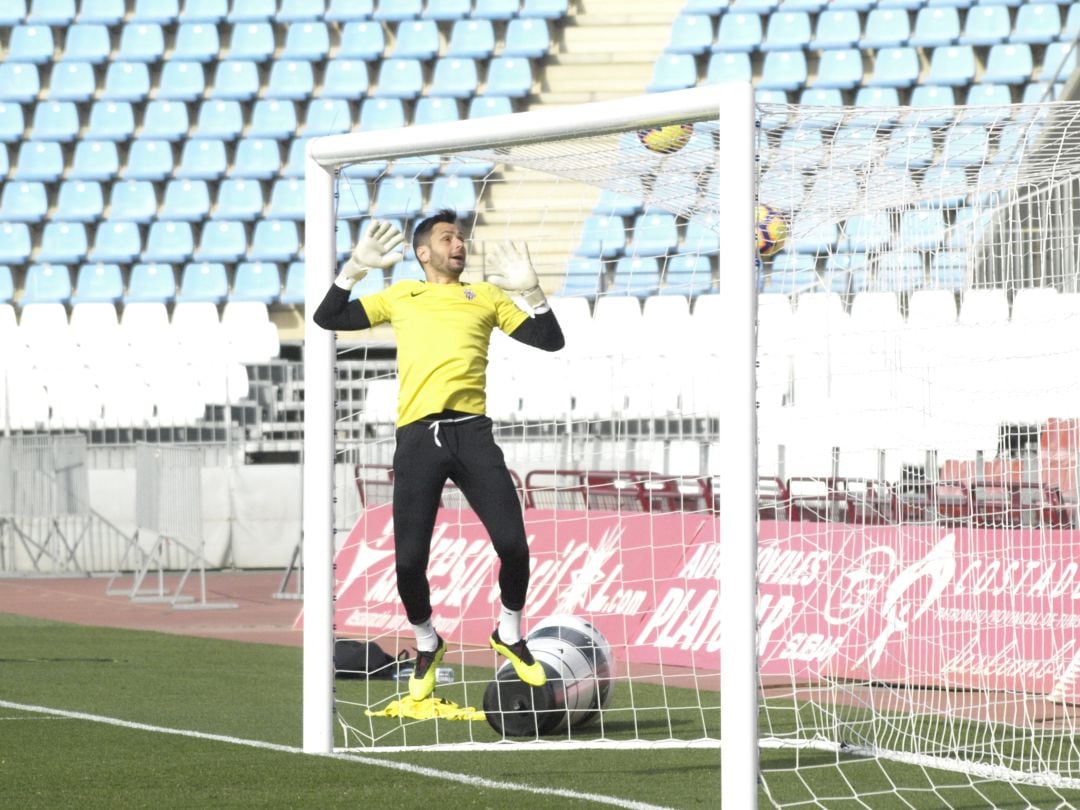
<point x="443" y="327"/>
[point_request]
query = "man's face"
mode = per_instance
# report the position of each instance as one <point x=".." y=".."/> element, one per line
<point x="446" y="250"/>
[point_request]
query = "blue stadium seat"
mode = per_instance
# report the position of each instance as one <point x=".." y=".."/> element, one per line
<point x="783" y="70"/>
<point x="256" y="281"/>
<point x="299" y="10"/>
<point x="235" y="79"/>
<point x="739" y="32"/>
<point x="397" y="10"/>
<point x="837" y="29"/>
<point x="164" y="120"/>
<point x="635" y="275"/>
<point x="13" y="13"/>
<point x="239" y="199"/>
<point x="55" y="121"/>
<point x="454" y="77"/>
<point x="152" y="282"/>
<point x="292" y="292"/>
<point x="251" y="42"/>
<point x="471" y="39"/>
<point x="354" y="199"/>
<point x="149" y="159"/>
<point x="286" y="199"/>
<point x="910" y="148"/>
<point x="38" y="160"/>
<point x="79" y="201"/>
<point x="398" y="197"/>
<point x="110" y="121"/>
<point x="221" y="240"/>
<point x="23" y="202"/>
<point x="547" y="9"/>
<point x="483" y="106"/>
<point x="126" y="81"/>
<point x="19" y="82"/>
<point x="1059" y="62"/>
<point x="840" y="68"/>
<point x="921" y="229"/>
<point x="169" y="242"/>
<point x="1037" y="24"/>
<point x="72" y="81"/>
<point x="256" y="159"/>
<point x="30" y="43"/>
<point x="116" y="242"/>
<point x="700" y="237"/>
<point x="94" y="160"/>
<point x="203" y="281"/>
<point x="994" y="97"/>
<point x="98" y="282"/>
<point x="935" y="26"/>
<point x="730" y="66"/>
<point x="424" y="166"/>
<point x="133" y="201"/>
<point x="309" y="40"/>
<point x="787" y="31"/>
<point x="965" y="146"/>
<point x="219" y="118"/>
<point x="274" y="240"/>
<point x="654" y="234"/>
<point x="986" y="25"/>
<point x="614" y="204"/>
<point x="582" y="276"/>
<point x="399" y="78"/>
<point x="15" y="244"/>
<point x="689" y="275"/>
<point x="953" y="65"/>
<point x="509" y="76"/>
<point x="345" y="78"/>
<point x="181" y="81"/>
<point x="496" y="9"/>
<point x="755" y="6"/>
<point x="457" y="193"/>
<point x="948" y="270"/>
<point x="895" y="67"/>
<point x="900" y="271"/>
<point x="204" y="11"/>
<point x="407" y="269"/>
<point x="673" y="71"/>
<point x="865" y="232"/>
<point x="935" y="104"/>
<point x="141" y="42"/>
<point x="185" y="200"/>
<point x="876" y="97"/>
<point x="162" y="12"/>
<point x="382" y="113"/>
<point x="202" y="159"/>
<point x="434" y="110"/>
<point x="291" y="79"/>
<point x="364" y="41"/>
<point x="447" y="10"/>
<point x="416" y="39"/>
<point x="944" y="186"/>
<point x="1009" y="63"/>
<point x="248" y="11"/>
<point x="294" y="162"/>
<point x="328" y="116"/>
<point x="273" y="118"/>
<point x="602" y="237"/>
<point x="822" y="98"/>
<point x="196" y="42"/>
<point x="46" y="284"/>
<point x="690" y="33"/>
<point x="63" y="243"/>
<point x="51" y="12"/>
<point x="885" y="28"/>
<point x="105" y="12"/>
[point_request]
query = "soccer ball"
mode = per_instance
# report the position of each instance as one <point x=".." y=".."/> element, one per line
<point x="772" y="230"/>
<point x="665" y="140"/>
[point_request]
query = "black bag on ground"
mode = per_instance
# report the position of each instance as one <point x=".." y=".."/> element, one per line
<point x="363" y="659"/>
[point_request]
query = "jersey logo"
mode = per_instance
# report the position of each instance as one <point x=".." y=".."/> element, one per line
<point x="417" y="292"/>
<point x="469" y="295"/>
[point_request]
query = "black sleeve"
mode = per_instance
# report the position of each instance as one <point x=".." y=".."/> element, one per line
<point x="543" y="332"/>
<point x="338" y="313"/>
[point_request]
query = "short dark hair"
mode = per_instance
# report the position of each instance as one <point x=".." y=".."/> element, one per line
<point x="422" y="232"/>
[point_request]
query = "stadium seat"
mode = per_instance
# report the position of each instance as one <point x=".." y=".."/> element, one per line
<point x="837" y="29"/>
<point x="397" y="10"/>
<point x="885" y="28"/>
<point x="739" y="32"/>
<point x="1036" y="24"/>
<point x="865" y="233"/>
<point x="42" y="161"/>
<point x="162" y="12"/>
<point x="688" y="275"/>
<point x="496" y="9"/>
<point x="783" y="70"/>
<point x="15" y="245"/>
<point x="398" y="197"/>
<point x="382" y="113"/>
<point x="71" y="81"/>
<point x="239" y="199"/>
<point x="164" y="120"/>
<point x="169" y="242"/>
<point x="921" y="229"/>
<point x="133" y="201"/>
<point x="935" y="26"/>
<point x="935" y="104"/>
<point x="294" y="162"/>
<point x="454" y="77"/>
<point x="300" y="10"/>
<point x="787" y="31"/>
<point x="273" y="118"/>
<point x="986" y="25"/>
<point x="235" y="79"/>
<point x="910" y="148"/>
<point x="204" y="11"/>
<point x="725" y="67"/>
<point x="23" y="202"/>
<point x="256" y="281"/>
<point x="399" y="77"/>
<point x="472" y="39"/>
<point x="601" y="238"/>
<point x="149" y="159"/>
<point x="700" y="237"/>
<point x="944" y="186"/>
<point x="55" y="121"/>
<point x="180" y="81"/>
<point x="98" y="282"/>
<point x="247" y="11"/>
<point x="690" y="33"/>
<point x="457" y="193"/>
<point x="274" y="240"/>
<point x="509" y="76"/>
<point x="30" y="43"/>
<point x="328" y="116"/>
<point x="841" y="69"/>
<point x="821" y="98"/>
<point x="256" y="159"/>
<point x="965" y="146"/>
<point x="308" y="40"/>
<point x="363" y="41"/>
<point x="952" y="65"/>
<point x="875" y="97"/>
<point x="46" y="284"/>
<point x="447" y="10"/>
<point x="416" y="39"/>
<point x="546" y="9"/>
<point x="196" y="42"/>
<point x="582" y="276"/>
<point x="423" y="166"/>
<point x="51" y="12"/>
<point x="221" y="240"/>
<point x="615" y="204"/>
<point x="63" y="243"/>
<point x="895" y="67"/>
<point x="948" y="269"/>
<point x="1059" y="62"/>
<point x="1009" y="64"/>
<point x="290" y="79"/>
<point x="286" y="200"/>
<point x="79" y="201"/>
<point x="635" y="275"/>
<point x="202" y="159"/>
<point x="141" y="42"/>
<point x="126" y="81"/>
<point x="654" y="234"/>
<point x="292" y="292"/>
<point x="151" y="283"/>
<point x="345" y="78"/>
<point x="251" y="42"/>
<point x="185" y="200"/>
<point x="19" y="82"/>
<point x="673" y="71"/>
<point x="482" y="106"/>
<point x="203" y="281"/>
<point x="220" y="119"/>
<point x="434" y="110"/>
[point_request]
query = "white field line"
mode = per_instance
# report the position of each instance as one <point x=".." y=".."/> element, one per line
<point x="418" y="770"/>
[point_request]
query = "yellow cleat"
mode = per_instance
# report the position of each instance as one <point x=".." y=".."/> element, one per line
<point x="422" y="680"/>
<point x="528" y="669"/>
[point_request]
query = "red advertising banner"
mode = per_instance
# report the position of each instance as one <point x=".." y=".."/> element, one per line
<point x="948" y="607"/>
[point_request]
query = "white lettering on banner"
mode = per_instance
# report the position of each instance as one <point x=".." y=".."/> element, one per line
<point x="782" y="566"/>
<point x="854" y="590"/>
<point x="369" y="553"/>
<point x="773" y="612"/>
<point x="1030" y="578"/>
<point x="811" y="647"/>
<point x="1007" y="662"/>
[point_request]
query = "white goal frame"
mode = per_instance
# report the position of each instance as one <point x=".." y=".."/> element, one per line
<point x="734" y="102"/>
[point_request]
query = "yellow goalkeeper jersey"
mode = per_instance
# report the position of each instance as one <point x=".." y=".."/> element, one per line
<point x="443" y="332"/>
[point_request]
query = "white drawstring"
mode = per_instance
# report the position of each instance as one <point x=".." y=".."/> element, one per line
<point x="434" y="428"/>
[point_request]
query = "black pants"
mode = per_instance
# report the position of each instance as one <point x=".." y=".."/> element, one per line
<point x="429" y="452"/>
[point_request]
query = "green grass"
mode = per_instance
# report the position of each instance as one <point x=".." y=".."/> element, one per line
<point x="252" y="692"/>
